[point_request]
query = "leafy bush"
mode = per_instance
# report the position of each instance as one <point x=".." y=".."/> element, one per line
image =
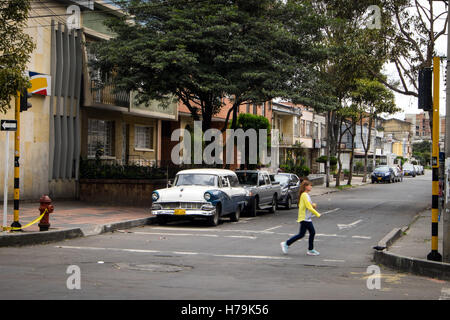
<point x="359" y="166"/>
<point x="323" y="159"/>
<point x="301" y="171"/>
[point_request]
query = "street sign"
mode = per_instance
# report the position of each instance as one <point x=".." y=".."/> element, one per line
<point x="8" y="125"/>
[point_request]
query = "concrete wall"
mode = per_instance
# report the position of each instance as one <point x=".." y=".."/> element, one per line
<point x="120" y="192"/>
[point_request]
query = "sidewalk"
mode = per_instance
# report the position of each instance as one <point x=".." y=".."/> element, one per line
<point x="322" y="189"/>
<point x="72" y="219"/>
<point x="406" y="249"/>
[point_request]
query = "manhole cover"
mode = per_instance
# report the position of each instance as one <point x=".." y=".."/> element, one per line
<point x="154" y="267"/>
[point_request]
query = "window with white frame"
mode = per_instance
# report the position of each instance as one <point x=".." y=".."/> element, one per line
<point x="296" y="127"/>
<point x="100" y="138"/>
<point x="308" y="129"/>
<point x="143" y="138"/>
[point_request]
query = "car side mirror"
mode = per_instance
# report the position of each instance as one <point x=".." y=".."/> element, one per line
<point x="169" y="183"/>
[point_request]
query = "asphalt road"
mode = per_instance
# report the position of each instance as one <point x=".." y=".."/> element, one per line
<point x="243" y="260"/>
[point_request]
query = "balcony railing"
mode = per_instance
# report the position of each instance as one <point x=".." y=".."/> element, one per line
<point x="106" y="93"/>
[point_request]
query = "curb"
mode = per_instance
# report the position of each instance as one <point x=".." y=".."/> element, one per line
<point x="433" y="269"/>
<point x="23" y="239"/>
<point x="421" y="267"/>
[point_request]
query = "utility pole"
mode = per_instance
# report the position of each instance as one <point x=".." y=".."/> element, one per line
<point x="16" y="223"/>
<point x="446" y="211"/>
<point x="434" y="255"/>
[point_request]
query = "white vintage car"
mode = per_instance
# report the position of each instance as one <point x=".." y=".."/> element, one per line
<point x="204" y="193"/>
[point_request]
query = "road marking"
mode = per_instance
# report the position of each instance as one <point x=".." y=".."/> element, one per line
<point x="250" y="257"/>
<point x="348" y="226"/>
<point x="361" y="237"/>
<point x="194" y="235"/>
<point x="273" y="228"/>
<point x="185" y="252"/>
<point x="330" y="211"/>
<point x="445" y="294"/>
<point x="330" y="260"/>
<point x="330" y="235"/>
<point x="243" y="237"/>
<point x="216" y="230"/>
<point x="109" y="249"/>
<point x="176" y="252"/>
<point x="178" y="234"/>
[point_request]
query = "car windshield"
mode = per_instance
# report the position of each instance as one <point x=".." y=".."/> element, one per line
<point x="248" y="178"/>
<point x="381" y="169"/>
<point x="408" y="167"/>
<point x="282" y="179"/>
<point x="196" y="179"/>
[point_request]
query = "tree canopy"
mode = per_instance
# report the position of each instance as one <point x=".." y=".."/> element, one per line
<point x="202" y="51"/>
<point x="15" y="49"/>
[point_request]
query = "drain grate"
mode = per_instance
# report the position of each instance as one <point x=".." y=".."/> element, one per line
<point x="153" y="267"/>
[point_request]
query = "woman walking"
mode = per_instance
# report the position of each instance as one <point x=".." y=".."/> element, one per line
<point x="305" y="211"/>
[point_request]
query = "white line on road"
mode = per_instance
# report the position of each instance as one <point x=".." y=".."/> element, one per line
<point x="348" y="226"/>
<point x="273" y="228"/>
<point x="185" y="252"/>
<point x="108" y="249"/>
<point x="176" y="252"/>
<point x="209" y="230"/>
<point x="242" y="237"/>
<point x="330" y="235"/>
<point x="178" y="234"/>
<point x="193" y="235"/>
<point x="445" y="294"/>
<point x="331" y="260"/>
<point x="361" y="237"/>
<point x="250" y="257"/>
<point x="330" y="211"/>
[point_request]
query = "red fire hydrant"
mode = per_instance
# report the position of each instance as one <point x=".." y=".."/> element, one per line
<point x="46" y="207"/>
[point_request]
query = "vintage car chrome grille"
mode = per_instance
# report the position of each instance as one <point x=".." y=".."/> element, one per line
<point x="182" y="205"/>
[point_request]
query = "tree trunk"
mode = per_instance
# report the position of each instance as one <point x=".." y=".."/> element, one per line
<point x="352" y="154"/>
<point x="339" y="151"/>
<point x="367" y="148"/>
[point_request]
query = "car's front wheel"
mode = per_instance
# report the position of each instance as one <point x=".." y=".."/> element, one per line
<point x="234" y="217"/>
<point x="274" y="204"/>
<point x="253" y="205"/>
<point x="215" y="218"/>
<point x="289" y="203"/>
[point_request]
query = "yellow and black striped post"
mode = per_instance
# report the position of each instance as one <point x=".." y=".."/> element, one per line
<point x="434" y="254"/>
<point x="16" y="223"/>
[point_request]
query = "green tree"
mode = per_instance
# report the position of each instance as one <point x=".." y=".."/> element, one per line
<point x="202" y="51"/>
<point x="247" y="121"/>
<point x="374" y="99"/>
<point x="355" y="52"/>
<point x="15" y="49"/>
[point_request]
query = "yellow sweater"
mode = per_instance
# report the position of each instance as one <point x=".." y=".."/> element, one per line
<point x="303" y="205"/>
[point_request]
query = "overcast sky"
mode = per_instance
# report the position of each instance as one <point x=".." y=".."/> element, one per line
<point x="408" y="103"/>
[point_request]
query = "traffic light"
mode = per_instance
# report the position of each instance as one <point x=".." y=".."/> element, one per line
<point x="24" y="103"/>
<point x="425" y="87"/>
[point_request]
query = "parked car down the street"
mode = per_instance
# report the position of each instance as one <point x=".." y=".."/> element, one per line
<point x="409" y="170"/>
<point x="200" y="193"/>
<point x="262" y="192"/>
<point x="383" y="174"/>
<point x="290" y="188"/>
